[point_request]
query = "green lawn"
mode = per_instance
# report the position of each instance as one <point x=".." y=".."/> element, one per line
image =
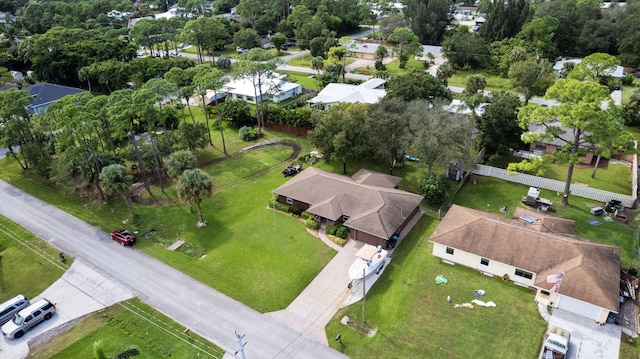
<point x="28" y="265"/>
<point x="393" y="68"/>
<point x="413" y="318"/>
<point x="302" y="78"/>
<point x="494" y="83"/>
<point x="126" y="325"/>
<point x="614" y="178"/>
<point x="305" y="61"/>
<point x="243" y="243"/>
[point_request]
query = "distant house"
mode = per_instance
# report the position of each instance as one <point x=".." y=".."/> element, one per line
<point x="368" y="203"/>
<point x="536" y="251"/>
<point x="335" y="93"/>
<point x="265" y="43"/>
<point x="6" y="17"/>
<point x="273" y="89"/>
<point x="559" y="67"/>
<point x="45" y="94"/>
<point x="362" y="50"/>
<point x="550" y="146"/>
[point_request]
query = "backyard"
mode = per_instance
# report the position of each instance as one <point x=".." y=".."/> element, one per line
<point x="616" y="177"/>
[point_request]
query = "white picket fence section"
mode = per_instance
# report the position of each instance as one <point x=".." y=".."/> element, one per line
<point x="558" y="186"/>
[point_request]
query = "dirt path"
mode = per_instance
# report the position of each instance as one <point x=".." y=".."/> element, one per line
<point x="136" y="188"/>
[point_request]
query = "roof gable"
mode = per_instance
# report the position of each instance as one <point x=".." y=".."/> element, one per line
<point x="45" y="93"/>
<point x="378" y="209"/>
<point x="518" y="244"/>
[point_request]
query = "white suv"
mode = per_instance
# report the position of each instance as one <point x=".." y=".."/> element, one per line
<point x="41" y="310"/>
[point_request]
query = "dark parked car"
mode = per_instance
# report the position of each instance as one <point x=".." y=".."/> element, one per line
<point x="123" y="236"/>
<point x="292" y="170"/>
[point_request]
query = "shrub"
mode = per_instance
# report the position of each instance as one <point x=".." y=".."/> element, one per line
<point x="627" y="80"/>
<point x="282" y="207"/>
<point x="296" y="210"/>
<point x="342" y="232"/>
<point x="312" y="224"/>
<point x="434" y="187"/>
<point x="247" y="133"/>
<point x="331" y="230"/>
<point x="306" y="215"/>
<point x="380" y="66"/>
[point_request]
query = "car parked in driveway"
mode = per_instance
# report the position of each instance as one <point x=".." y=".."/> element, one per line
<point x="123" y="237"/>
<point x="27" y="318"/>
<point x="12" y="306"/>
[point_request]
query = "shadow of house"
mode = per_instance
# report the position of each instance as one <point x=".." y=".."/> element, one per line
<point x="368" y="203"/>
<point x="534" y="251"/>
<point x="45" y="94"/>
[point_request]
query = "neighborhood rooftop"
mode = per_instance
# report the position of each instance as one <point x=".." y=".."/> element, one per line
<point x="368" y="198"/>
<point x="591" y="270"/>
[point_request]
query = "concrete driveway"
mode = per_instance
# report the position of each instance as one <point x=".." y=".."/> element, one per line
<point x="80" y="291"/>
<point x="588" y="340"/>
<point x="198" y="307"/>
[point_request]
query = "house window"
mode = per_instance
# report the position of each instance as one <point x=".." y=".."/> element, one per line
<point x="524" y="274"/>
<point x="449" y="250"/>
<point x="484" y="261"/>
<point x="250" y="99"/>
<point x="289" y="200"/>
<point x="345" y="217"/>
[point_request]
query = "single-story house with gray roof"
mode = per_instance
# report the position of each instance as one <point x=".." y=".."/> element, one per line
<point x="368" y="203"/>
<point x="536" y="251"/>
<point x="44" y="94"/>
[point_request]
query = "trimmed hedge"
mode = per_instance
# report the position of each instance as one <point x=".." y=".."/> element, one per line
<point x="312" y="224"/>
<point x="306" y="215"/>
<point x="280" y="206"/>
<point x="338" y="231"/>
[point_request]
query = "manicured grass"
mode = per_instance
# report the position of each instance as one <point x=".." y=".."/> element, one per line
<point x="614" y="178"/>
<point x="132" y="324"/>
<point x="628" y="90"/>
<point x="302" y="78"/>
<point x="243" y="243"/>
<point x="28" y="265"/>
<point x="414" y="319"/>
<point x="490" y="194"/>
<point x="635" y="131"/>
<point x="305" y="61"/>
<point x="494" y="83"/>
<point x="393" y="68"/>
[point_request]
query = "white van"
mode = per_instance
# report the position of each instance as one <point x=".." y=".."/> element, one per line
<point x="12" y="306"/>
<point x="28" y="317"/>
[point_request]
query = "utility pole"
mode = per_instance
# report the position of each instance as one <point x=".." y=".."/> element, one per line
<point x="240" y="344"/>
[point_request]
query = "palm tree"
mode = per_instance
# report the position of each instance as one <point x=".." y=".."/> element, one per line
<point x="179" y="162"/>
<point x="114" y="179"/>
<point x="192" y="187"/>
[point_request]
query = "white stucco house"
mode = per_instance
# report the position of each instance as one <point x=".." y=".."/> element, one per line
<point x="559" y="66"/>
<point x="274" y="89"/>
<point x="369" y="92"/>
<point x="535" y="251"/>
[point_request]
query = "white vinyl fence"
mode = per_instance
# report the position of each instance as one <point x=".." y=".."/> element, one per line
<point x="558" y="186"/>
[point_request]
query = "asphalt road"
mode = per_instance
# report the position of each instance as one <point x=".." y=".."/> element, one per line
<point x="201" y="309"/>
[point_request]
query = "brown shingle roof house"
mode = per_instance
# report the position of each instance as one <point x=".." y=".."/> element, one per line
<point x="570" y="273"/>
<point x="367" y="202"/>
